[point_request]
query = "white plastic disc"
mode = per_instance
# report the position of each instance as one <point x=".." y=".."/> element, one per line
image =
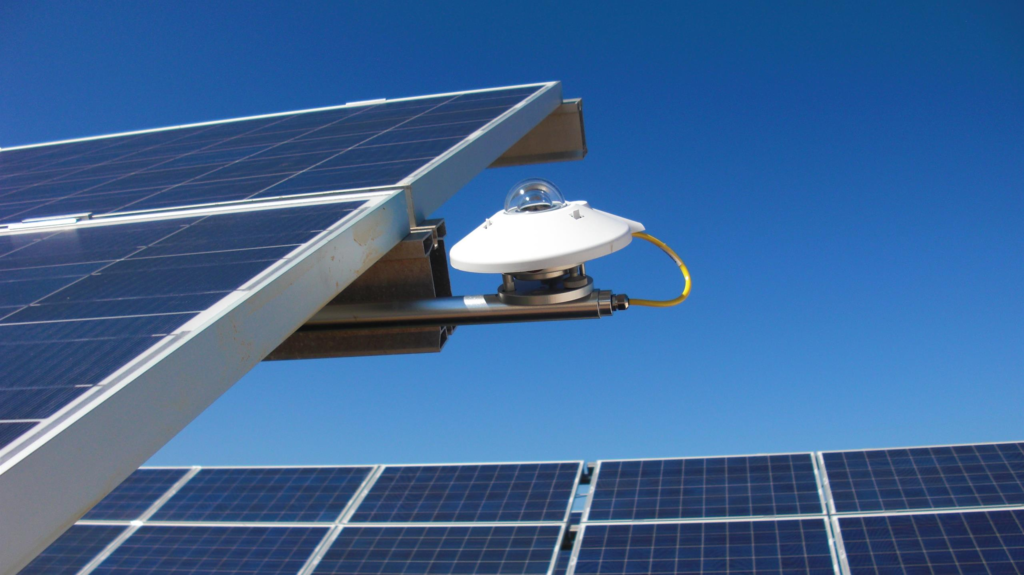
<point x="556" y="238"/>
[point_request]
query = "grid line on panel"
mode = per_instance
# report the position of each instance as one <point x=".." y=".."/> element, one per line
<point x="942" y="477"/>
<point x="442" y="550"/>
<point x="136" y="494"/>
<point x="470" y="493"/>
<point x="110" y="548"/>
<point x="970" y="541"/>
<point x="360" y="495"/>
<point x="772" y="546"/>
<point x="704" y="488"/>
<point x="169" y="493"/>
<point x="321" y="550"/>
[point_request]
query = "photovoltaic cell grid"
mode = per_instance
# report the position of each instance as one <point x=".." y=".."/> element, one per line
<point x="73" y="550"/>
<point x="268" y="494"/>
<point x="768" y="485"/>
<point x="83" y="302"/>
<point x="440" y="493"/>
<point x="494" y="550"/>
<point x="328" y="150"/>
<point x="926" y="477"/>
<point x="990" y="542"/>
<point x="135" y="495"/>
<point x="160" y="550"/>
<point x="794" y="546"/>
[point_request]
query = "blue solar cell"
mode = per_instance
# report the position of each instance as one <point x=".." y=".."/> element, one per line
<point x="575" y="518"/>
<point x="11" y="431"/>
<point x="768" y="485"/>
<point x="73" y="550"/>
<point x="503" y="492"/>
<point x="988" y="542"/>
<point x="377" y="144"/>
<point x="208" y="550"/>
<point x="765" y="547"/>
<point x="926" y="477"/>
<point x="265" y="494"/>
<point x="505" y="550"/>
<point x="129" y="500"/>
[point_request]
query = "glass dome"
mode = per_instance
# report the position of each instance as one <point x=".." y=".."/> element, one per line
<point x="533" y="195"/>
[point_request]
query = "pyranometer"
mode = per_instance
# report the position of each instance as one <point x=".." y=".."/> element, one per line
<point x="539" y="229"/>
<point x="539" y="243"/>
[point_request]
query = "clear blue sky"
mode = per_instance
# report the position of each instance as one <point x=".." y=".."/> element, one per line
<point x="845" y="181"/>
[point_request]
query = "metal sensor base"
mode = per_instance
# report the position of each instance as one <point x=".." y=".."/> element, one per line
<point x="545" y="287"/>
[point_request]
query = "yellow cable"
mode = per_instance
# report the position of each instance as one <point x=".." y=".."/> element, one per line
<point x="682" y="268"/>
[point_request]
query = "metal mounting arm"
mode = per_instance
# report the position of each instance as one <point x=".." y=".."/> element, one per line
<point x="464" y="310"/>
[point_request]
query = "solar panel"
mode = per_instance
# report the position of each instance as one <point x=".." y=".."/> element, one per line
<point x="162" y="550"/>
<point x="962" y="542"/>
<point x="926" y="477"/>
<point x="794" y="546"/>
<point x="86" y="301"/>
<point x="369" y="146"/>
<point x="765" y="485"/>
<point x="265" y="494"/>
<point x="478" y="550"/>
<point x="174" y="260"/>
<point x="136" y="494"/>
<point x="73" y="550"/>
<point x="501" y="492"/>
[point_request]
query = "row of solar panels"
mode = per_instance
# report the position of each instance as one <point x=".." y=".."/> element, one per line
<point x="980" y="541"/>
<point x="698" y="515"/>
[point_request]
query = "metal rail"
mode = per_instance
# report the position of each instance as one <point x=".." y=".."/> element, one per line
<point x="464" y="310"/>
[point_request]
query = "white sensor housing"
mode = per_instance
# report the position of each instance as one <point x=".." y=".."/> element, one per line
<point x="539" y="230"/>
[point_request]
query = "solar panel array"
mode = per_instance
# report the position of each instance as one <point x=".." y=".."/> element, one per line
<point x="111" y="246"/>
<point x="443" y="520"/>
<point x="304" y="519"/>
<point x="952" y="509"/>
<point x="944" y="509"/>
